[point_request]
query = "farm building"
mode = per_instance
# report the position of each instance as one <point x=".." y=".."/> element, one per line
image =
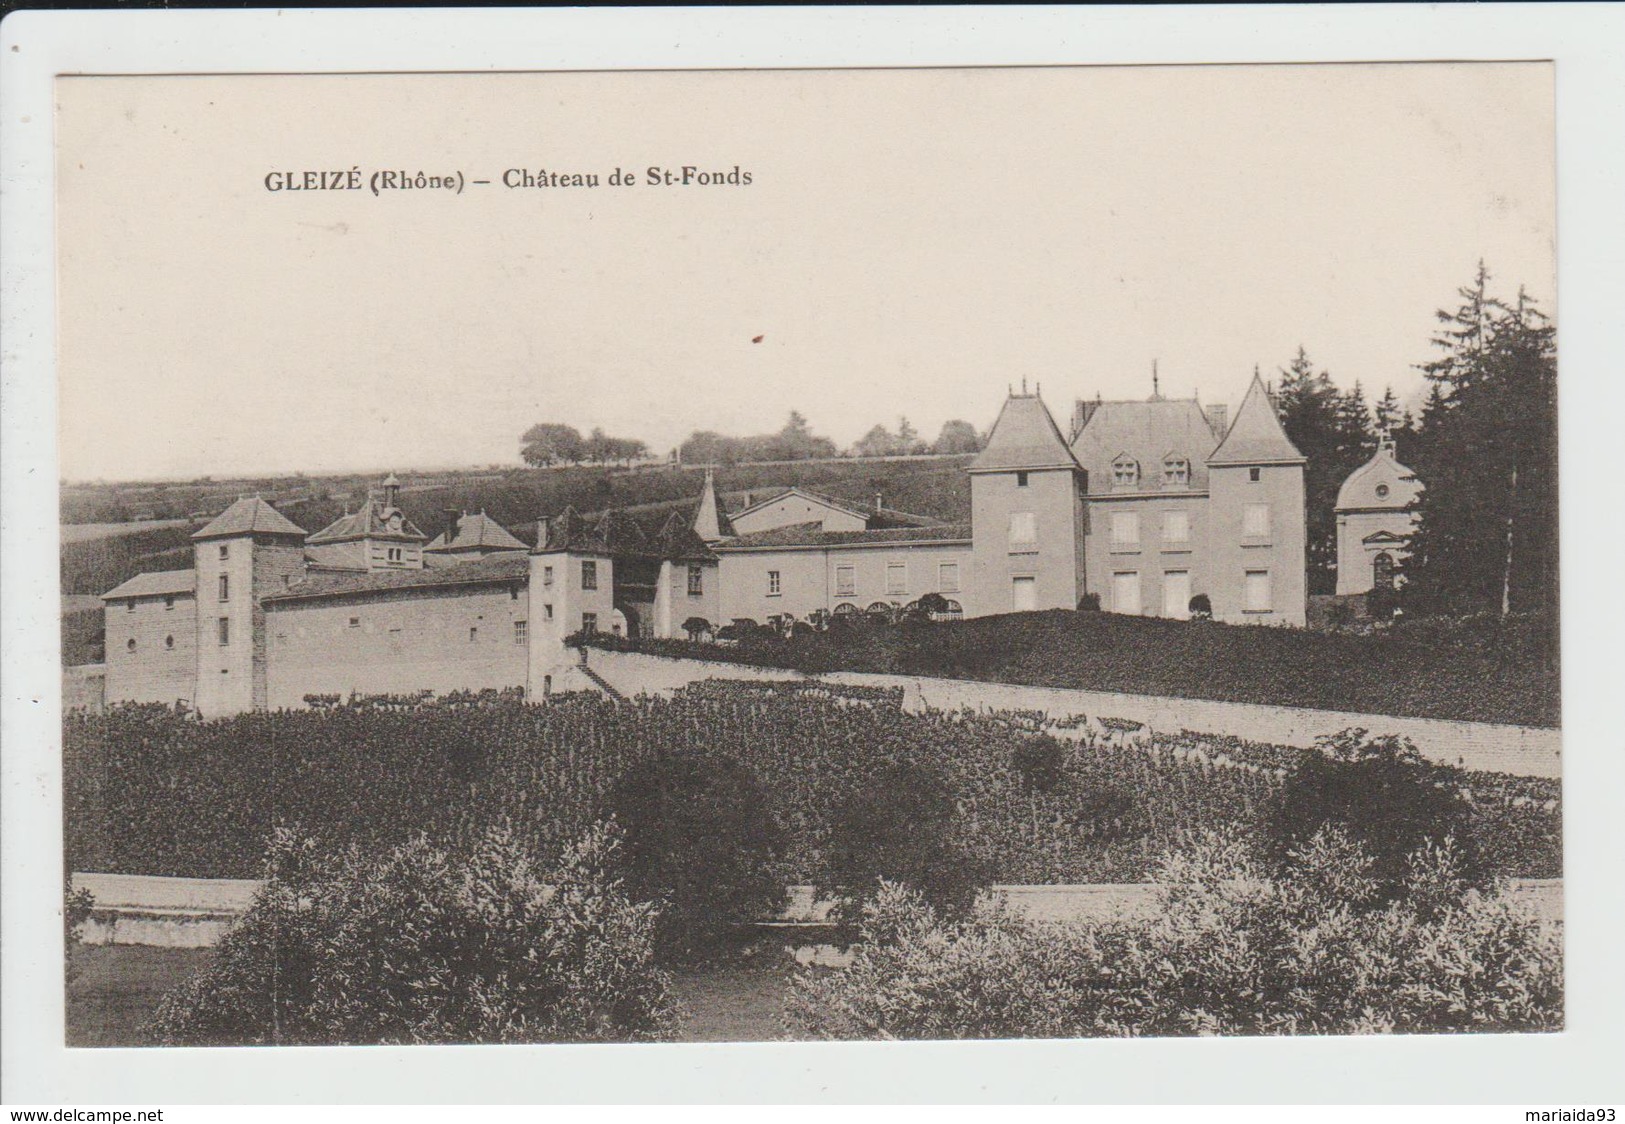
<point x="1149" y="505"/>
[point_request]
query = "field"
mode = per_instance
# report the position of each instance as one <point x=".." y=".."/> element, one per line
<point x="1480" y="669"/>
<point x="150" y="792"/>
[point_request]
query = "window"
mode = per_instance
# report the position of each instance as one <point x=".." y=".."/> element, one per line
<point x="169" y="642"/>
<point x="169" y="602"/>
<point x="1126" y="592"/>
<point x="1382" y="491"/>
<point x="129" y="606"/>
<point x="1023" y="530"/>
<point x="395" y="554"/>
<point x="473" y="634"/>
<point x="1176" y="471"/>
<point x="696" y="581"/>
<point x="589" y="575"/>
<point x="547" y="611"/>
<point x="773" y="589"/>
<point x="896" y="579"/>
<point x="521" y="632"/>
<point x="547" y="575"/>
<point x="1023" y="594"/>
<point x="1125" y="472"/>
<point x="1382" y="571"/>
<point x="846" y="581"/>
<point x="948" y="577"/>
<point x="1255" y="520"/>
<point x="589" y="622"/>
<point x="1021" y="479"/>
<point x="1125" y="528"/>
<point x="513" y="594"/>
<point x="130" y="644"/>
<point x="225" y="587"/>
<point x="355" y="622"/>
<point x="1253" y="474"/>
<point x="1176" y="527"/>
<point x="1256" y="591"/>
<point x="225" y="631"/>
<point x="225" y="551"/>
<point x="1176" y="594"/>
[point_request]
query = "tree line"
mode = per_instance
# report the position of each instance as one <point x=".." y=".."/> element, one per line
<point x="1484" y="449"/>
<point x="552" y="443"/>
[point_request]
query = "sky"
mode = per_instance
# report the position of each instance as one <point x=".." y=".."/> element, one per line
<point x="912" y="242"/>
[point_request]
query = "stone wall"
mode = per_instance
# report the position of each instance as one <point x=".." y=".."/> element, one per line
<point x="1522" y="750"/>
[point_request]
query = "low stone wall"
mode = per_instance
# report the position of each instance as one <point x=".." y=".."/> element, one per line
<point x="198" y="912"/>
<point x="1521" y="750"/>
<point x="84" y="687"/>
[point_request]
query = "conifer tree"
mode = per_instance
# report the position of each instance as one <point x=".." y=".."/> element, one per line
<point x="1333" y="432"/>
<point x="1486" y="540"/>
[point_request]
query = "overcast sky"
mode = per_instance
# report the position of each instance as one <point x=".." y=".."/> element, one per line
<point x="911" y="243"/>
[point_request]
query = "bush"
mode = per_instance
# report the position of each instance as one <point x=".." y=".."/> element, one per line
<point x="1385" y="795"/>
<point x="422" y="945"/>
<point x="699" y="839"/>
<point x="1201" y="607"/>
<point x="697" y="628"/>
<point x="1089" y="603"/>
<point x="899" y="826"/>
<point x="1234" y="949"/>
<point x="76" y="909"/>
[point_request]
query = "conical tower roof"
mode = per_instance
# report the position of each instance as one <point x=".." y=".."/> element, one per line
<point x="710" y="520"/>
<point x="1256" y="436"/>
<point x="1024" y="437"/>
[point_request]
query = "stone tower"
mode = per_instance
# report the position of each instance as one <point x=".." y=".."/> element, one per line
<point x="248" y="551"/>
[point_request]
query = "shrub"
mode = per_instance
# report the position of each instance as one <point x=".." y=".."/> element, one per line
<point x="1384" y="794"/>
<point x="1201" y="607"/>
<point x="76" y="909"/>
<point x="422" y="945"/>
<point x="1310" y="948"/>
<point x="700" y="839"/>
<point x="697" y="628"/>
<point x="1089" y="603"/>
<point x="900" y="826"/>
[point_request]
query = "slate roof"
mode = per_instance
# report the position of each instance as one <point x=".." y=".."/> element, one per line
<point x="1148" y="431"/>
<point x="366" y="524"/>
<point x="509" y="566"/>
<point x="249" y="516"/>
<point x="710" y="517"/>
<point x="162" y="584"/>
<point x="476" y="532"/>
<point x="1256" y="436"/>
<point x="1360" y="489"/>
<point x="569" y="530"/>
<point x="1024" y="436"/>
<point x="678" y="542"/>
<point x="806" y="535"/>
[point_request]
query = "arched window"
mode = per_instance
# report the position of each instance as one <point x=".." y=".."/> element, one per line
<point x="130" y="644"/>
<point x="1125" y="471"/>
<point x="845" y="609"/>
<point x="1176" y="470"/>
<point x="951" y="611"/>
<point x="1382" y="571"/>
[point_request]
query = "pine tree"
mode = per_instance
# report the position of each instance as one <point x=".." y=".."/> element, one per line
<point x="1486" y="540"/>
<point x="1333" y="432"/>
<point x="1388" y="417"/>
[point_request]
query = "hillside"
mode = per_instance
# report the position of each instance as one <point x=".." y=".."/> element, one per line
<point x="95" y="559"/>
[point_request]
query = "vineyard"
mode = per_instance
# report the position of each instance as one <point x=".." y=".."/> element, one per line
<point x="148" y="791"/>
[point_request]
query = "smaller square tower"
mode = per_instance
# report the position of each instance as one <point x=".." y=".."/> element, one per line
<point x="1027" y="515"/>
<point x="248" y="552"/>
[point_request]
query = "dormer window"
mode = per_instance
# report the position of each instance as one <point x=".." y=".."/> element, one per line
<point x="1125" y="472"/>
<point x="1176" y="471"/>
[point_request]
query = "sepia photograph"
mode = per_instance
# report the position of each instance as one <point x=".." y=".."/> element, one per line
<point x="612" y="557"/>
<point x="870" y="554"/>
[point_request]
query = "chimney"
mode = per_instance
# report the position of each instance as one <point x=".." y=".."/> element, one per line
<point x="1218" y="418"/>
<point x="449" y="518"/>
<point x="880" y="501"/>
<point x="1082" y="411"/>
<point x="392" y="491"/>
<point x="542" y="526"/>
